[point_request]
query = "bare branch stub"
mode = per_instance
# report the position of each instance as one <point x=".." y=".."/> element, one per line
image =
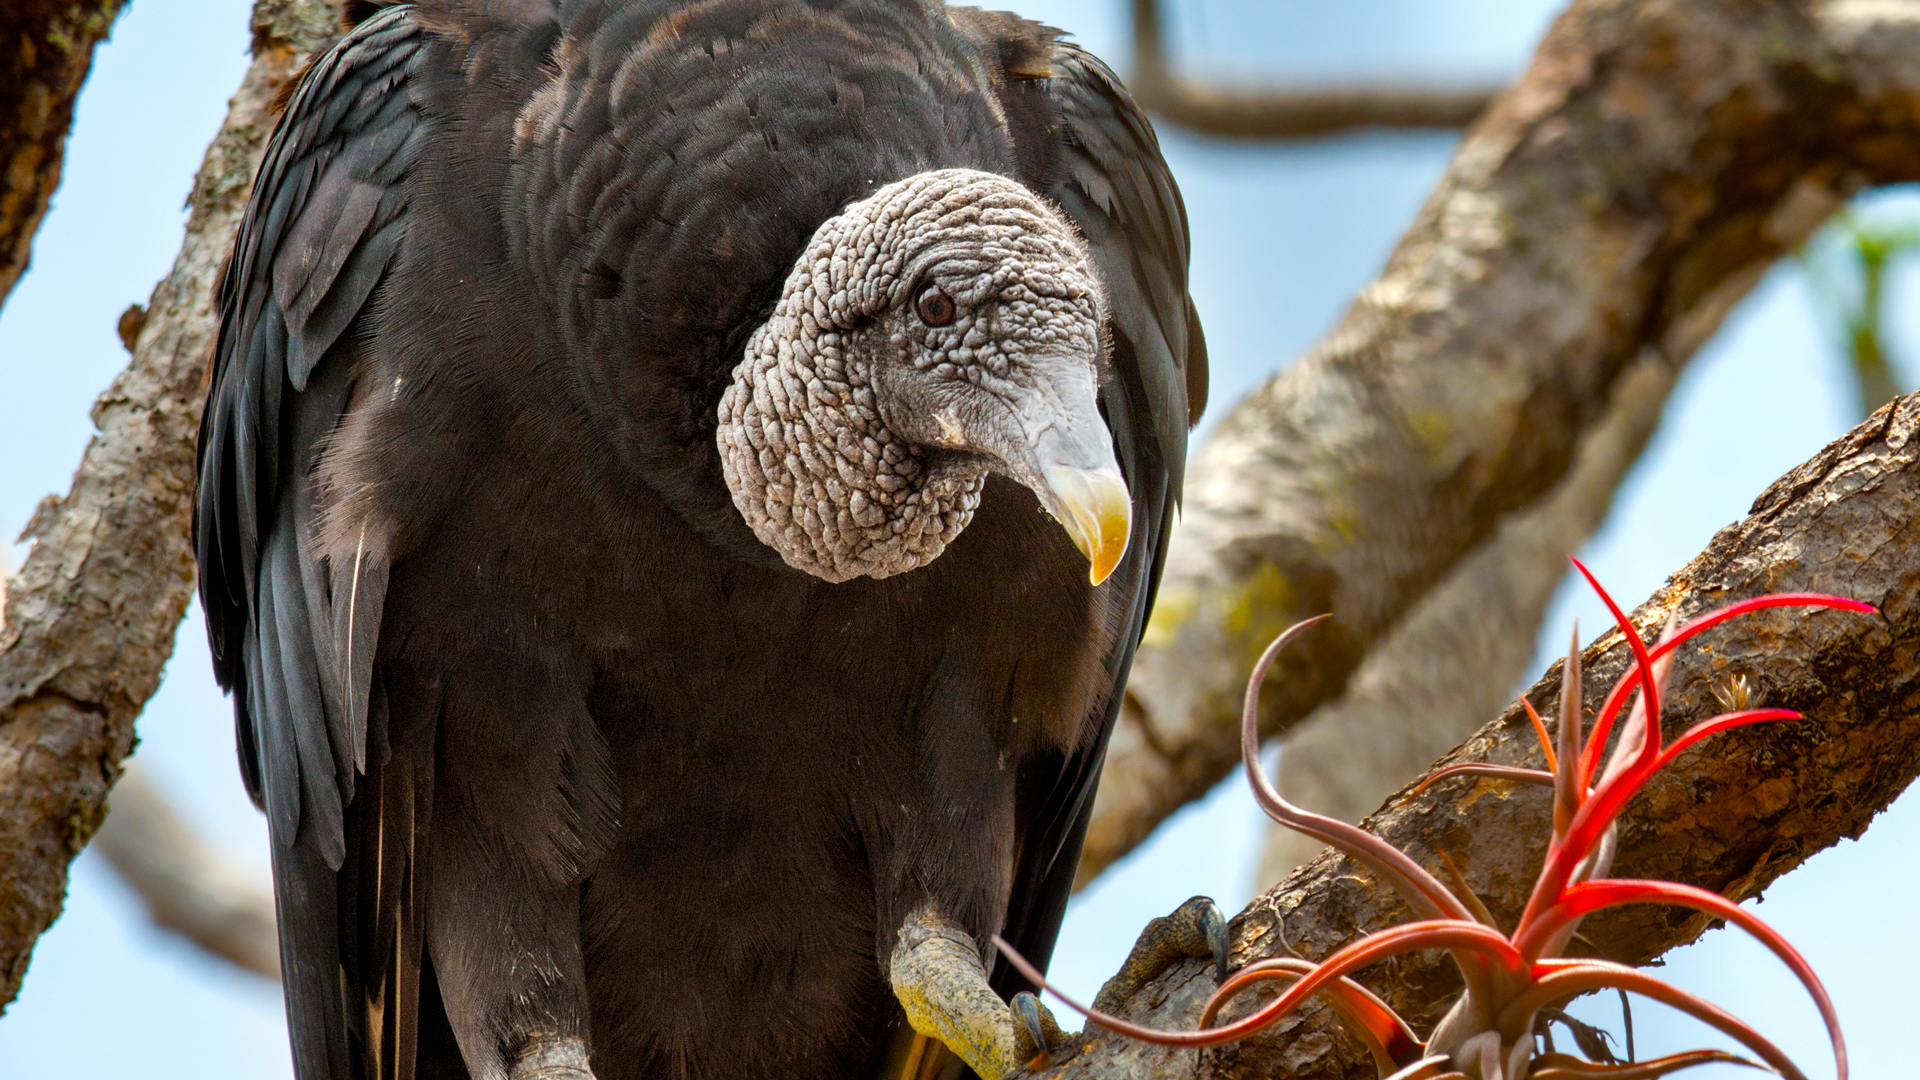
<point x="46" y="49"/>
<point x="1648" y="168"/>
<point x="1279" y="112"/>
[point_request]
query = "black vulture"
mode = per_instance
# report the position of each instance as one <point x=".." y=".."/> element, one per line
<point x="640" y="485"/>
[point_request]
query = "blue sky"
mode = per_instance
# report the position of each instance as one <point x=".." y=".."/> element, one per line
<point x="1283" y="236"/>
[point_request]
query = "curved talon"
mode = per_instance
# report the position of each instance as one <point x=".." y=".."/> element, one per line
<point x="1035" y="1032"/>
<point x="1213" y="924"/>
<point x="1029" y="1041"/>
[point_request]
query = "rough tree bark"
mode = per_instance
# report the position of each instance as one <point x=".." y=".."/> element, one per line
<point x="46" y="47"/>
<point x="1279" y="112"/>
<point x="90" y="616"/>
<point x="1730" y="816"/>
<point x="1637" y="181"/>
<point x="1462" y="650"/>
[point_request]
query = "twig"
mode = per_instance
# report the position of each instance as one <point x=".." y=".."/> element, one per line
<point x="1274" y="112"/>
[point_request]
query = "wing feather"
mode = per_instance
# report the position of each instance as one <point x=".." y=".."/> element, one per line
<point x="293" y="638"/>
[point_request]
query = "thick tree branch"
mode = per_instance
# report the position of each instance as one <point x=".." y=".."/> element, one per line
<point x="90" y="617"/>
<point x="1638" y="180"/>
<point x="1730" y="816"/>
<point x="1274" y="112"/>
<point x="46" y="47"/>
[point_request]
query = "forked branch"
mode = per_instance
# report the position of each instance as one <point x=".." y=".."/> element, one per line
<point x="1614" y="205"/>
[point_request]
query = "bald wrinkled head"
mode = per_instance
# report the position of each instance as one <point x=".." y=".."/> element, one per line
<point x="945" y="327"/>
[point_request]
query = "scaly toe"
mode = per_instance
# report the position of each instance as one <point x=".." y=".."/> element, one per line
<point x="1194" y="929"/>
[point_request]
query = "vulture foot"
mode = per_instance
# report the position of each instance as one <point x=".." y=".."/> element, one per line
<point x="941" y="981"/>
<point x="552" y="1058"/>
<point x="1195" y="928"/>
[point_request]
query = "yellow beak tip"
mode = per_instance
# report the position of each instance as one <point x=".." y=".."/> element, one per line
<point x="1107" y="551"/>
<point x="1101" y="564"/>
<point x="1097" y="513"/>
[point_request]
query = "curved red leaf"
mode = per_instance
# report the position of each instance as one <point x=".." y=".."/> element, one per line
<point x="1579" y="976"/>
<point x="1590" y="896"/>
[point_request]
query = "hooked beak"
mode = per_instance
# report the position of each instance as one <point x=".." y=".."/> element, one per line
<point x="1066" y="459"/>
<point x="1096" y="510"/>
<point x="1045" y="434"/>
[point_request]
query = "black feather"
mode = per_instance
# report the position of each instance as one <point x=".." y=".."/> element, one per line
<point x="319" y="232"/>
<point x="548" y="741"/>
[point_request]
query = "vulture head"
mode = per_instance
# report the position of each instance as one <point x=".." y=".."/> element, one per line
<point x="945" y="327"/>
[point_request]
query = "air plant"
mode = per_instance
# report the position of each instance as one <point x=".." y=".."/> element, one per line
<point x="1514" y="981"/>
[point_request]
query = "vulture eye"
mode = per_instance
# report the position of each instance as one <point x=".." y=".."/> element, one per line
<point x="935" y="307"/>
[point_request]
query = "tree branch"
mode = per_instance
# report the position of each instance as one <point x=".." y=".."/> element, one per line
<point x="1632" y="187"/>
<point x="46" y="47"/>
<point x="90" y="617"/>
<point x="1271" y="112"/>
<point x="188" y="886"/>
<point x="1733" y="818"/>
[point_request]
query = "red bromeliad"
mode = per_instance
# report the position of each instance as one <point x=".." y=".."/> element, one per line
<point x="1511" y="978"/>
